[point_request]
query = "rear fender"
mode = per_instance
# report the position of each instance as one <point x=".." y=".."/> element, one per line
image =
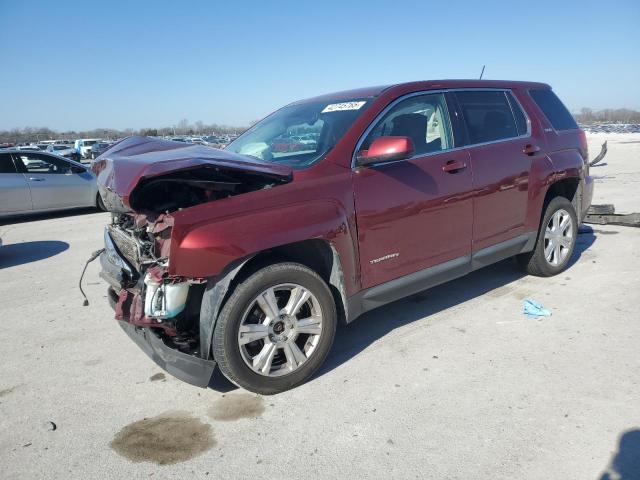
<point x="556" y="167"/>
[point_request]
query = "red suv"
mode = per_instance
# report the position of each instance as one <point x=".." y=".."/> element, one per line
<point x="246" y="258"/>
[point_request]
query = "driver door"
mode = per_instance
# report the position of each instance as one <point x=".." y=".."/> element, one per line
<point x="415" y="213"/>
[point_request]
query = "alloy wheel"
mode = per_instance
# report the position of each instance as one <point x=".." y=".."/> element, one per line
<point x="280" y="329"/>
<point x="558" y="238"/>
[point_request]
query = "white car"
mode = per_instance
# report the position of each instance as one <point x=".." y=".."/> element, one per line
<point x="66" y="151"/>
<point x="83" y="146"/>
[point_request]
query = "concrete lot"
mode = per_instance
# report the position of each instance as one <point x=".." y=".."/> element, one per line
<point x="452" y="383"/>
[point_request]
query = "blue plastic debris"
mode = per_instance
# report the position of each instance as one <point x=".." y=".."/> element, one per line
<point x="533" y="309"/>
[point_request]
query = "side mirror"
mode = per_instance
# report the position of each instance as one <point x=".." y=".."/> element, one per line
<point x="77" y="169"/>
<point x="386" y="149"/>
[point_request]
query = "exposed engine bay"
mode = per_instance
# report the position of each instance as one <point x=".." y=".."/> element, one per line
<point x="184" y="189"/>
<point x="142" y="291"/>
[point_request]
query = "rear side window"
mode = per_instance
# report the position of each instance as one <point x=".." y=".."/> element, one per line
<point x="6" y="164"/>
<point x="518" y="114"/>
<point x="487" y="115"/>
<point x="553" y="109"/>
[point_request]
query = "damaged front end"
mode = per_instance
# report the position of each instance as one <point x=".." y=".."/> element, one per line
<point x="159" y="312"/>
<point x="142" y="181"/>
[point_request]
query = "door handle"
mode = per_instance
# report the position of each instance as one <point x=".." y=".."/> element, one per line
<point x="36" y="179"/>
<point x="530" y="149"/>
<point x="454" y="166"/>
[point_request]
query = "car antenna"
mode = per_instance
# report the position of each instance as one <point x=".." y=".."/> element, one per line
<point x="482" y="72"/>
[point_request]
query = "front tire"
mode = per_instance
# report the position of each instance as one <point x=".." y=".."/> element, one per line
<point x="276" y="329"/>
<point x="100" y="204"/>
<point x="556" y="240"/>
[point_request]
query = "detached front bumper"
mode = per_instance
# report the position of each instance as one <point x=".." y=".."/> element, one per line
<point x="119" y="274"/>
<point x="187" y="368"/>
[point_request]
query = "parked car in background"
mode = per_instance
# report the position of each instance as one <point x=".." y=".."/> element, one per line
<point x="83" y="146"/>
<point x="66" y="151"/>
<point x="98" y="148"/>
<point x="28" y="147"/>
<point x="216" y="142"/>
<point x="246" y="258"/>
<point x="33" y="182"/>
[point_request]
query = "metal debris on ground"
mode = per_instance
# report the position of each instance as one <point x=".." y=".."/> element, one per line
<point x="600" y="156"/>
<point x="605" y="215"/>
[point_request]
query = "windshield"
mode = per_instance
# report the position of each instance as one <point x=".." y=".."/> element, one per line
<point x="299" y="135"/>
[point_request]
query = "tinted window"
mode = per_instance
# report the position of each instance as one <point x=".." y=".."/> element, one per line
<point x="521" y="120"/>
<point x="422" y="118"/>
<point x="487" y="115"/>
<point x="6" y="164"/>
<point x="553" y="109"/>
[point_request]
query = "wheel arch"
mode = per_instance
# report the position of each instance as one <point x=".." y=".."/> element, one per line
<point x="567" y="187"/>
<point x="319" y="255"/>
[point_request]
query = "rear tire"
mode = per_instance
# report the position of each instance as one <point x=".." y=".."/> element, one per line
<point x="291" y="341"/>
<point x="555" y="242"/>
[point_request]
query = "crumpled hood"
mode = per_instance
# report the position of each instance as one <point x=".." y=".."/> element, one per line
<point x="123" y="166"/>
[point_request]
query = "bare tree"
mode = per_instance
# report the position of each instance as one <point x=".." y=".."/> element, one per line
<point x="183" y="126"/>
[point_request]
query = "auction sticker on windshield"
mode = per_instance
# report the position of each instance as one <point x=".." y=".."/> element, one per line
<point x="340" y="107"/>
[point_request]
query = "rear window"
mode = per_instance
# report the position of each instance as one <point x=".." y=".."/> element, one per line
<point x="6" y="164"/>
<point x="553" y="109"/>
<point x="487" y="115"/>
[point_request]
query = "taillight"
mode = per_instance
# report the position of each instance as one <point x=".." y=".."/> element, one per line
<point x="584" y="148"/>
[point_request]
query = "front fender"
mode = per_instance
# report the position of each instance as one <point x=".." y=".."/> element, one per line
<point x="207" y="248"/>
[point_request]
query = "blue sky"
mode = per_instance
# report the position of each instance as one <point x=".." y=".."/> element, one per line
<point x="86" y="64"/>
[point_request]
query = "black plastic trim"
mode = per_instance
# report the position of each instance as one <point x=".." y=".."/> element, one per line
<point x="188" y="368"/>
<point x="407" y="285"/>
<point x="500" y="251"/>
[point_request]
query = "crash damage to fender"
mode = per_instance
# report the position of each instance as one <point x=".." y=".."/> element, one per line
<point x="149" y="186"/>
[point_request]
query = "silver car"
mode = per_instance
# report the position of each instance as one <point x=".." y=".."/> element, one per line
<point x="32" y="182"/>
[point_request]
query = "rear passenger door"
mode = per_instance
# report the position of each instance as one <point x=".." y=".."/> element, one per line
<point x="498" y="138"/>
<point x="14" y="191"/>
